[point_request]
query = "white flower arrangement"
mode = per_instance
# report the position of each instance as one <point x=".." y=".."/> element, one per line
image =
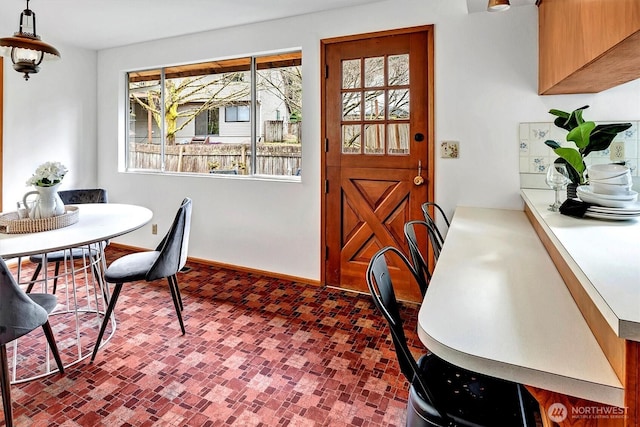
<point x="48" y="174"/>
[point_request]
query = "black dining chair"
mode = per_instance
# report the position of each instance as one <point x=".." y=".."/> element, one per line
<point x="164" y="262"/>
<point x="439" y="235"/>
<point x="418" y="259"/>
<point x="442" y="394"/>
<point x="69" y="197"/>
<point x="20" y="314"/>
<point x="435" y="234"/>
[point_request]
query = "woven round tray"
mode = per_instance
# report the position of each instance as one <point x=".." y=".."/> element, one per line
<point x="10" y="223"/>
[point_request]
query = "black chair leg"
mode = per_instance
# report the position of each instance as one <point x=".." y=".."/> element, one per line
<point x="175" y="294"/>
<point x="37" y="272"/>
<point x="175" y="284"/>
<point x="107" y="315"/>
<point x="6" y="387"/>
<point x="52" y="344"/>
<point x="34" y="277"/>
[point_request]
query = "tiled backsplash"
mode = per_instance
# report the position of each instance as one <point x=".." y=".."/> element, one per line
<point x="536" y="156"/>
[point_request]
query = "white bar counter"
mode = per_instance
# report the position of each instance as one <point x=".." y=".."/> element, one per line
<point x="498" y="305"/>
<point x="603" y="255"/>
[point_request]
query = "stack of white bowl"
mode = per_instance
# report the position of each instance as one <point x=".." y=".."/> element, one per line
<point x="612" y="179"/>
<point x="609" y="185"/>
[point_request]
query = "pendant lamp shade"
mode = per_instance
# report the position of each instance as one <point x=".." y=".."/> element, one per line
<point x="498" y="5"/>
<point x="25" y="48"/>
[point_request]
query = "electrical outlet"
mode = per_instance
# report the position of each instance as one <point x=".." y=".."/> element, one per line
<point x="449" y="149"/>
<point x="616" y="151"/>
<point x="154" y="228"/>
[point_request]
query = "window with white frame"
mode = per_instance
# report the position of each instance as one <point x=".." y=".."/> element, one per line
<point x="234" y="116"/>
<point x="236" y="113"/>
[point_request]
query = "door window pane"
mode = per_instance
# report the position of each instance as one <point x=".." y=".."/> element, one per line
<point x="398" y="104"/>
<point x="374" y="139"/>
<point x="351" y="106"/>
<point x="374" y="72"/>
<point x="398" y="70"/>
<point x="351" y="74"/>
<point x="351" y="139"/>
<point x="374" y="105"/>
<point x="398" y="138"/>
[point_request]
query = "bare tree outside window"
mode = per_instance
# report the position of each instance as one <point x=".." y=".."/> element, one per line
<point x="204" y="117"/>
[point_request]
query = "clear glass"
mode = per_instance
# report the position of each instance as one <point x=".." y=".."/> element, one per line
<point x="144" y="137"/>
<point x="398" y="138"/>
<point x="557" y="179"/>
<point x="351" y="74"/>
<point x="279" y="145"/>
<point x="211" y="121"/>
<point x="374" y="72"/>
<point x="374" y="105"/>
<point x="374" y="139"/>
<point x="351" y="139"/>
<point x="398" y="70"/>
<point x="398" y="104"/>
<point x="351" y="108"/>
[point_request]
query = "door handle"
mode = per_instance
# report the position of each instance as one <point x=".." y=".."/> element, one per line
<point x="419" y="180"/>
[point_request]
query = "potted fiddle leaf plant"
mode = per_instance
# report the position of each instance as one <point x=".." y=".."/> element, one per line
<point x="586" y="136"/>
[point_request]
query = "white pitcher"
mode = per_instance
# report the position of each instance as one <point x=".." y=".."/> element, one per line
<point x="47" y="203"/>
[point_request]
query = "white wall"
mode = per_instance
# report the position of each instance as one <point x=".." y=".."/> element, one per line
<point x="486" y="83"/>
<point x="50" y="117"/>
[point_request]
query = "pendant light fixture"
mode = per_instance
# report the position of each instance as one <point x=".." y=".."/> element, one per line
<point x="25" y="48"/>
<point x="498" y="5"/>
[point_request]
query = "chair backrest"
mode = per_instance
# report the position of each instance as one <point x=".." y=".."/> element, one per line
<point x="19" y="314"/>
<point x="431" y="219"/>
<point x="384" y="297"/>
<point x="80" y="196"/>
<point x="417" y="258"/>
<point x="174" y="246"/>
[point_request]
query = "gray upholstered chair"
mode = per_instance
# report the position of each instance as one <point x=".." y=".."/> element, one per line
<point x="164" y="262"/>
<point x="20" y="314"/>
<point x="69" y="197"/>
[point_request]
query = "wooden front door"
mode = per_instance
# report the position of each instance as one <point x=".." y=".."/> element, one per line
<point x="378" y="134"/>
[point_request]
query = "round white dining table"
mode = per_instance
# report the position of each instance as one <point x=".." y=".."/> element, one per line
<point x="97" y="223"/>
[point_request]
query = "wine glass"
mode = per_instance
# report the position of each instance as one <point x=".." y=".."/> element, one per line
<point x="558" y="179"/>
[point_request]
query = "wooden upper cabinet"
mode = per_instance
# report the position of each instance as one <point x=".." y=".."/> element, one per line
<point x="587" y="46"/>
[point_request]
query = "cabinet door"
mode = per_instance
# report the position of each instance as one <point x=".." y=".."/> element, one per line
<point x="587" y="46"/>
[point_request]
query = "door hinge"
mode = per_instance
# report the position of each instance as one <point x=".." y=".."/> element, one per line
<point x="326" y="185"/>
<point x="326" y="71"/>
<point x="326" y="145"/>
<point x="326" y="252"/>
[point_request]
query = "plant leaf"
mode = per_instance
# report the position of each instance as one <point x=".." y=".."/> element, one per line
<point x="602" y="136"/>
<point x="573" y="175"/>
<point x="573" y="159"/>
<point x="552" y="144"/>
<point x="568" y="121"/>
<point x="581" y="134"/>
<point x="559" y="113"/>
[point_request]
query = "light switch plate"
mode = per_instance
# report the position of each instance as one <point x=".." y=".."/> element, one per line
<point x="616" y="151"/>
<point x="449" y="149"/>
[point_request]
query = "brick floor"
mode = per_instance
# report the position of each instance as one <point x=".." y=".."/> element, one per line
<point x="258" y="352"/>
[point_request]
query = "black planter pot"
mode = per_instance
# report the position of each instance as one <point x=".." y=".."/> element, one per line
<point x="572" y="189"/>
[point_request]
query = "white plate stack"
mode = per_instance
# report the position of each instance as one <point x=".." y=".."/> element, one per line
<point x="610" y="188"/>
